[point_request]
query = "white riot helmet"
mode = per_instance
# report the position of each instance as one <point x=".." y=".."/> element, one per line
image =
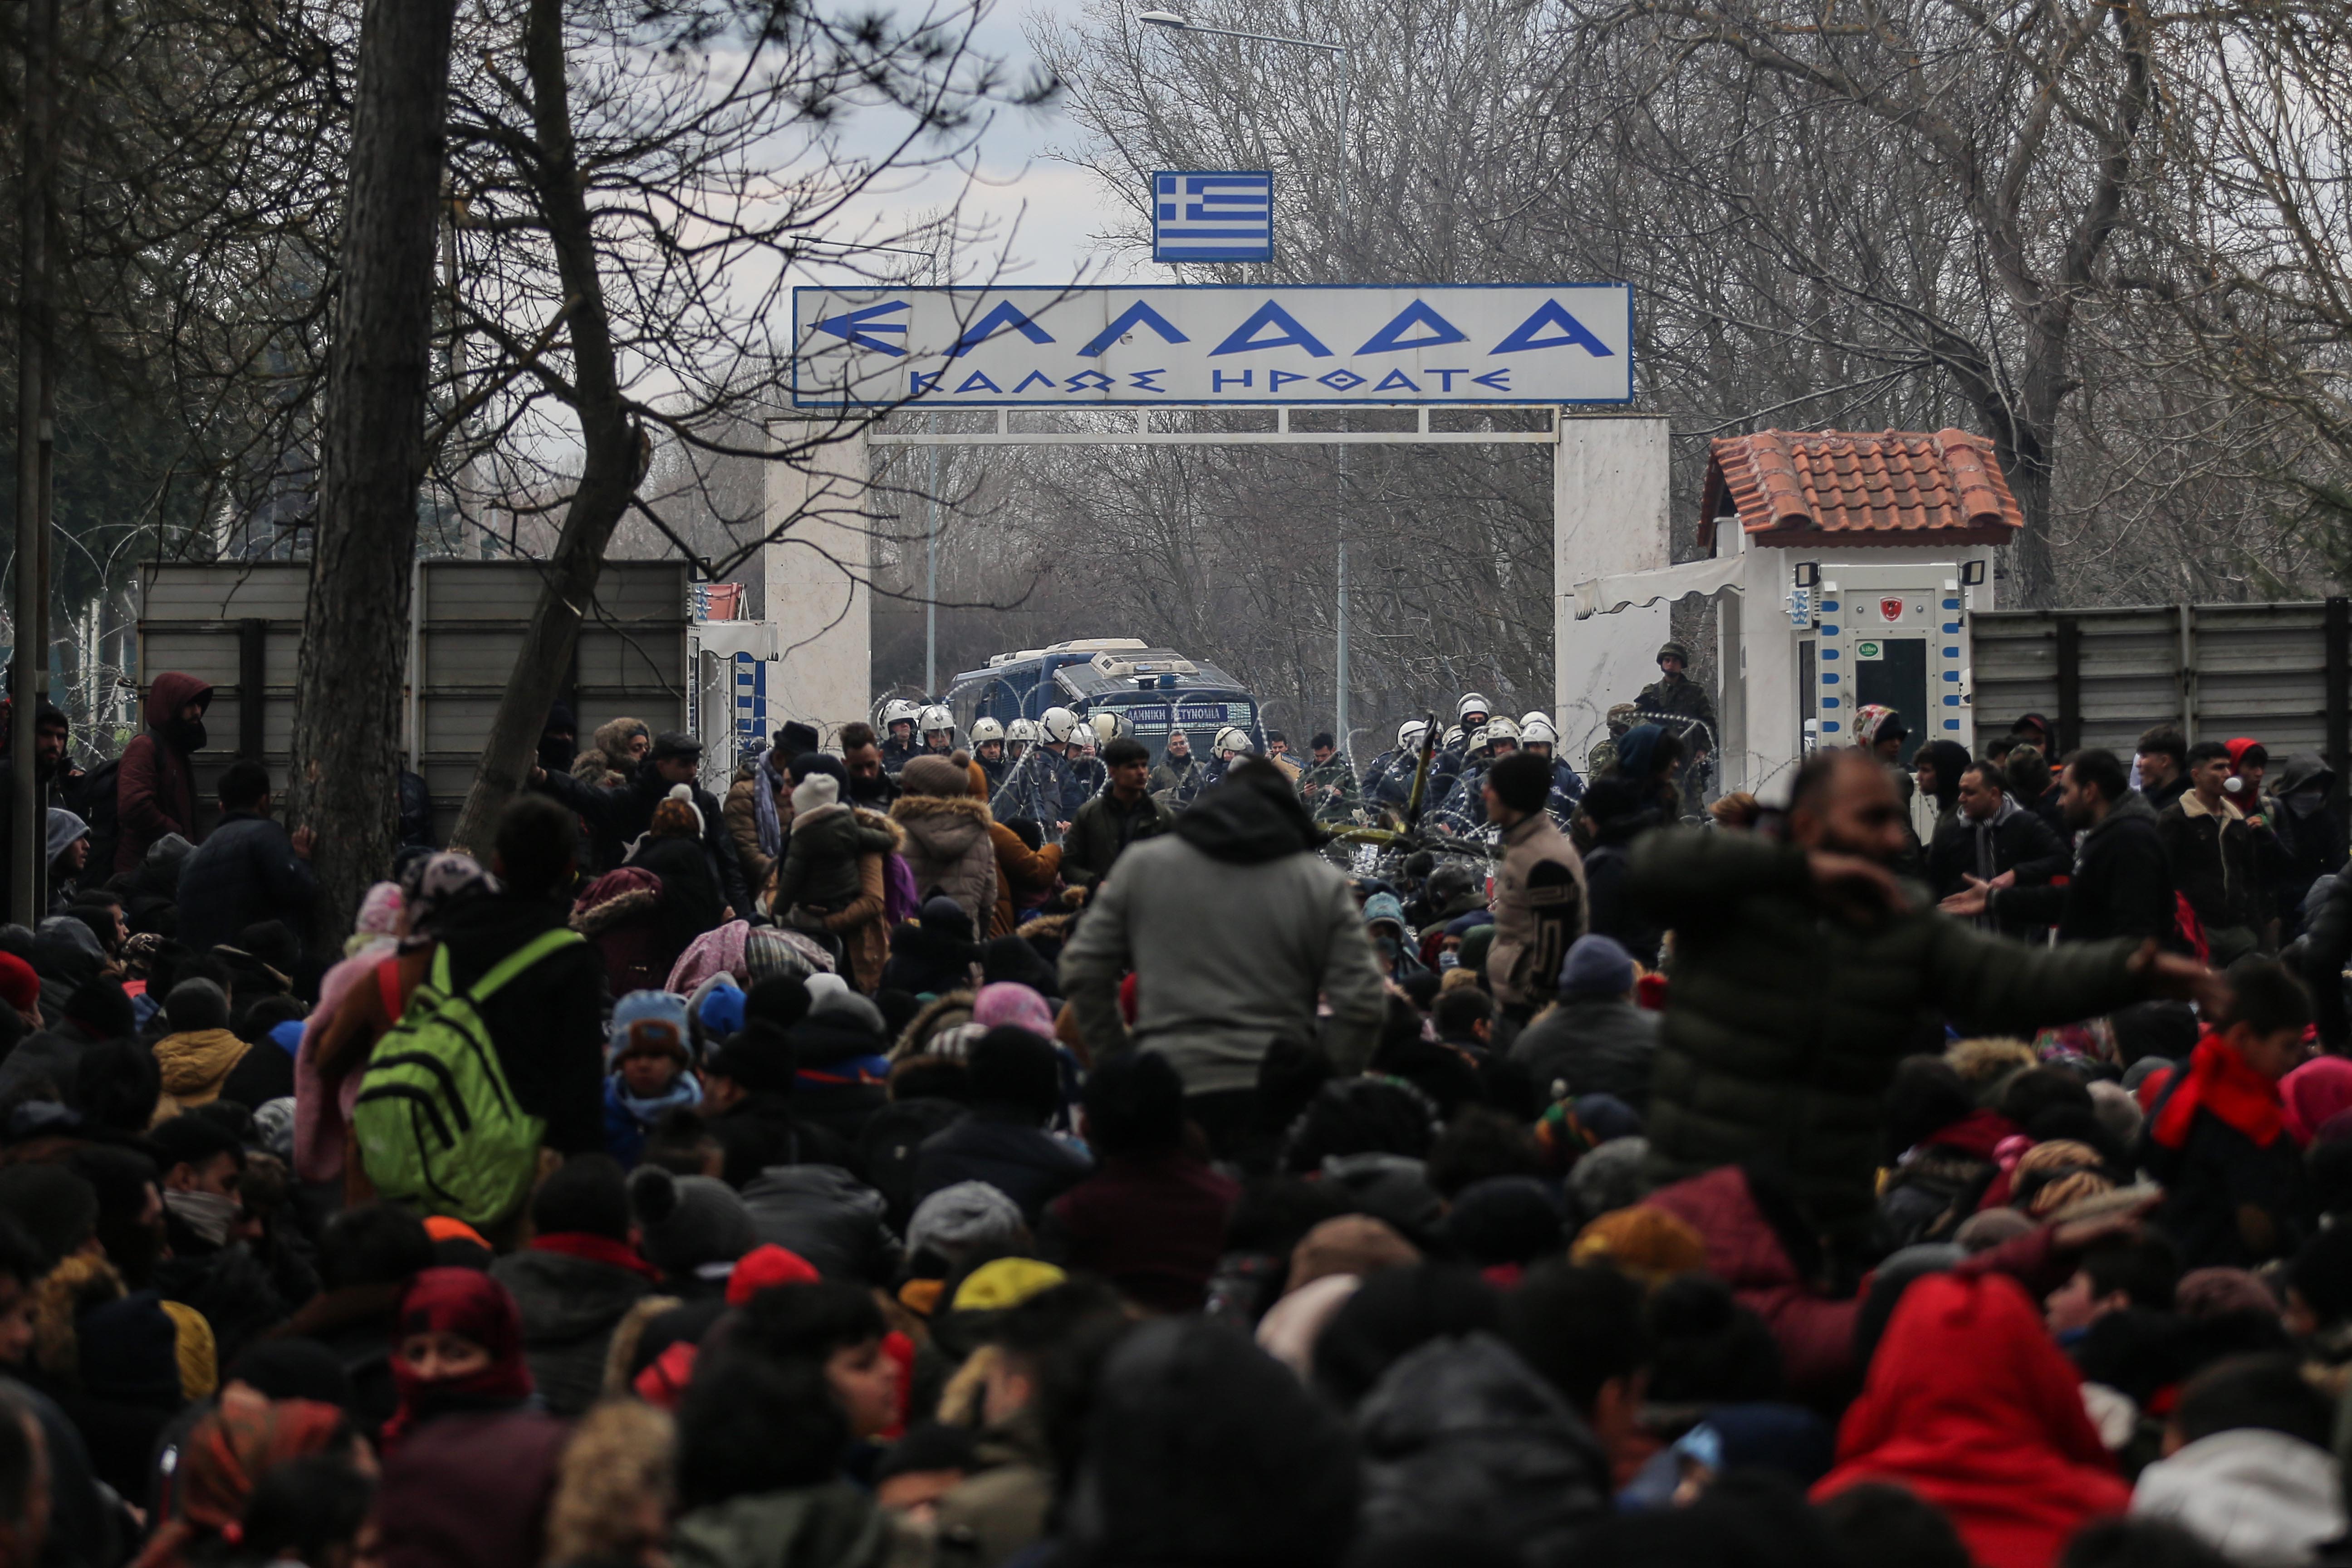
<point x="1410" y="733"/>
<point x="1499" y="728"/>
<point x="1478" y="742"/>
<point x="1059" y="724"/>
<point x="936" y="717"/>
<point x="1232" y="742"/>
<point x="1534" y="715"/>
<point x="1471" y="703"/>
<point x="898" y="711"/>
<point x="1022" y="732"/>
<point x="1535" y="729"/>
<point x="1109" y="727"/>
<point x="1453" y="737"/>
<point x="986" y="729"/>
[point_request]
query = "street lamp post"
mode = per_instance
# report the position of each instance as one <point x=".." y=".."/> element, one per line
<point x="1176" y="22"/>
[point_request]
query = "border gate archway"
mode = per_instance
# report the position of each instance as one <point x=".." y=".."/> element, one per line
<point x="996" y="350"/>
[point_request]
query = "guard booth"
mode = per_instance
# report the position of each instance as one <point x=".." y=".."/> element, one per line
<point x="1843" y="566"/>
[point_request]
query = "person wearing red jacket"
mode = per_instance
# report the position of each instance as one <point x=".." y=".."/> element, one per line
<point x="155" y="787"/>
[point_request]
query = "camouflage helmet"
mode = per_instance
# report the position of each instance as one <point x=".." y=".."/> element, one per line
<point x="1621" y="718"/>
<point x="1674" y="650"/>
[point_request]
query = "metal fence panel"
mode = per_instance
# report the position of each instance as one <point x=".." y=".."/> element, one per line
<point x="469" y="617"/>
<point x="2216" y="670"/>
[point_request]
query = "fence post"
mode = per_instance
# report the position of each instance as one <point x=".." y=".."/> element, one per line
<point x="252" y="685"/>
<point x="2070" y="687"/>
<point x="2187" y="675"/>
<point x="2338" y="717"/>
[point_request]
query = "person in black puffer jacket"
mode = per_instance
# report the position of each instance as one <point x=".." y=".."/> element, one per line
<point x="842" y="1072"/>
<point x="748" y="1085"/>
<point x="933" y="954"/>
<point x="1614" y="817"/>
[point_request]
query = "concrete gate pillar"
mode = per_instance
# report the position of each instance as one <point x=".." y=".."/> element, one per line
<point x="817" y="575"/>
<point x="1609" y="515"/>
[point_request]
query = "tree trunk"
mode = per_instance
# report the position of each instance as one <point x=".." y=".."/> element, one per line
<point x="614" y="444"/>
<point x="371" y="453"/>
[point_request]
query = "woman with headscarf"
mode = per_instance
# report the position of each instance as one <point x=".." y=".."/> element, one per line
<point x="2314" y="1095"/>
<point x="1971" y="1404"/>
<point x="225" y="1458"/>
<point x="361" y="998"/>
<point x="470" y="1463"/>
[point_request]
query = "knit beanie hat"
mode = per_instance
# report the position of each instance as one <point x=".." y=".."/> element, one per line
<point x="1596" y="965"/>
<point x="759" y="1057"/>
<point x="684" y="1222"/>
<point x="1005" y="1282"/>
<point x="816" y="790"/>
<point x="764" y="1269"/>
<point x="718" y="1007"/>
<point x="20" y="986"/>
<point x="1647" y="1243"/>
<point x="194" y="1004"/>
<point x="966" y="1214"/>
<point x="648" y="1021"/>
<point x="934" y="776"/>
<point x="677" y="816"/>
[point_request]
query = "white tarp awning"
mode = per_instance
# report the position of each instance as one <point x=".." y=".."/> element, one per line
<point x="727" y="638"/>
<point x="1605" y="595"/>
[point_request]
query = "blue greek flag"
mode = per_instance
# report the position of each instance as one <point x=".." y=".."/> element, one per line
<point x="1213" y="216"/>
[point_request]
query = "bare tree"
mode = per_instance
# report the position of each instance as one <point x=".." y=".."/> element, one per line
<point x="635" y="207"/>
<point x="347" y="702"/>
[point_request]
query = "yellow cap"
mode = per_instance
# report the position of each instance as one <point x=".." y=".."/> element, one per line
<point x="1006" y="1282"/>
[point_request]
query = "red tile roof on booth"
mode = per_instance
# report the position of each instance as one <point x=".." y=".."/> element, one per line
<point x="1889" y="487"/>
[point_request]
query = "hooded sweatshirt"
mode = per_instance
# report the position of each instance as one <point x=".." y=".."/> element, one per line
<point x="155" y="786"/>
<point x="1232" y="926"/>
<point x="1971" y="1404"/>
<point x="2261" y="1499"/>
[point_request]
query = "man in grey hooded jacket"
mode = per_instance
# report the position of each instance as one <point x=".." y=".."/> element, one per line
<point x="1234" y="927"/>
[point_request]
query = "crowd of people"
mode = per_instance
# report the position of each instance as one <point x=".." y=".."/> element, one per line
<point x="926" y="1153"/>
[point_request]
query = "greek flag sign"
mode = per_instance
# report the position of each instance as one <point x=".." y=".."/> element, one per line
<point x="1216" y="215"/>
<point x="1039" y="347"/>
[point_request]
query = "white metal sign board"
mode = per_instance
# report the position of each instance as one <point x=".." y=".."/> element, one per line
<point x="1508" y="342"/>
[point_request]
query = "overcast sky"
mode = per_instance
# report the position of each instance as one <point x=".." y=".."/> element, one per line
<point x="1047" y="210"/>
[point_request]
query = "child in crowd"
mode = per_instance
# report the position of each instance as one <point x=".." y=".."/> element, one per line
<point x="649" y="1066"/>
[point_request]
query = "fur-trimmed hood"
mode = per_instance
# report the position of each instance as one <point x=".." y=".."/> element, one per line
<point x="63" y="1294"/>
<point x="879" y="823"/>
<point x="614" y="896"/>
<point x="941" y="1012"/>
<point x="946" y="824"/>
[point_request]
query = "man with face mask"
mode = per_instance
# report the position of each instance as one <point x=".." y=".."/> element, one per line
<point x="2310" y="841"/>
<point x="155" y="787"/>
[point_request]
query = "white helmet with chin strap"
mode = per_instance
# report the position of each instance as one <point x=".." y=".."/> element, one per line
<point x="1472" y="702"/>
<point x="1231" y="743"/>
<point x="936" y="717"/>
<point x="898" y="711"/>
<point x="1499" y="728"/>
<point x="1109" y="727"/>
<point x="986" y="729"/>
<point x="1410" y="733"/>
<point x="1059" y="724"/>
<point x="1535" y="729"/>
<point x="1453" y="737"/>
<point x="1022" y="732"/>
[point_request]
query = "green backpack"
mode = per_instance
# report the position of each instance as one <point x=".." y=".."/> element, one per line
<point x="435" y="1122"/>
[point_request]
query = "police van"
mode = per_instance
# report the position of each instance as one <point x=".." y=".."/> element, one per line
<point x="1156" y="689"/>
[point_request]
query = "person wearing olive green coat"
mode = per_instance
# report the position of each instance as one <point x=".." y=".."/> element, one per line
<point x="1801" y="972"/>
